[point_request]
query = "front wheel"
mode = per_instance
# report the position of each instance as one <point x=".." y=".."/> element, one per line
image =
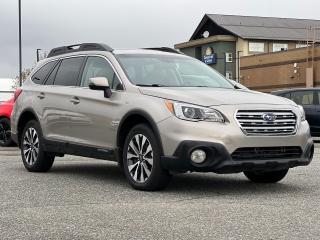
<point x="266" y="176"/>
<point x="141" y="160"/>
<point x="34" y="158"/>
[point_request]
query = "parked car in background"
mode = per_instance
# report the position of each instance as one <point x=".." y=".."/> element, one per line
<point x="309" y="99"/>
<point x="5" y="115"/>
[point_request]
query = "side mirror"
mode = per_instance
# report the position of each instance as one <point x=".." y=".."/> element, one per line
<point x="100" y="83"/>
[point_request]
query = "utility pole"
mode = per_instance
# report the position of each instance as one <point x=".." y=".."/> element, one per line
<point x="38" y="57"/>
<point x="238" y="65"/>
<point x="20" y="55"/>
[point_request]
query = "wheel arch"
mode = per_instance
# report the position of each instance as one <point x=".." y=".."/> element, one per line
<point x="130" y="120"/>
<point x="26" y="116"/>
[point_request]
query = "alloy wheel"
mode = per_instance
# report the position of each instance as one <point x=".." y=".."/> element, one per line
<point x="31" y="146"/>
<point x="140" y="158"/>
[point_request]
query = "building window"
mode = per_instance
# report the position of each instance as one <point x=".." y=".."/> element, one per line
<point x="277" y="47"/>
<point x="301" y="45"/>
<point x="229" y="75"/>
<point x="256" y="47"/>
<point x="229" y="58"/>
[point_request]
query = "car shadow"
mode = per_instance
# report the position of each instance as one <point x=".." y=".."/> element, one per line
<point x="194" y="183"/>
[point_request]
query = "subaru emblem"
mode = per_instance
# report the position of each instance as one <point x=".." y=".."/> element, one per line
<point x="269" y="117"/>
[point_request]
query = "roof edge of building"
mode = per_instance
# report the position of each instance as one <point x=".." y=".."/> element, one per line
<point x="197" y="42"/>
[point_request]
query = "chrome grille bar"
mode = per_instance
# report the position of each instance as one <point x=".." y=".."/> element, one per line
<point x="252" y="122"/>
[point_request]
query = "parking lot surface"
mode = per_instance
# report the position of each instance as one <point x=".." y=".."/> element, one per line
<point x="82" y="198"/>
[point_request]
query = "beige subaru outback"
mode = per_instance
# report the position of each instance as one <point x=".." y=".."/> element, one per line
<point x="157" y="113"/>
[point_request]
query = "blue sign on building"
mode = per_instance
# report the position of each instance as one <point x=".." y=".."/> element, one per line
<point x="210" y="59"/>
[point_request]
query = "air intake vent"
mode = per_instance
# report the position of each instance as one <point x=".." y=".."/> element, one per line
<point x="267" y="122"/>
<point x="266" y="153"/>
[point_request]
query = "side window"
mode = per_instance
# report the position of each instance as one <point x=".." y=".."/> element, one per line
<point x="68" y="71"/>
<point x="43" y="72"/>
<point x="99" y="67"/>
<point x="303" y="97"/>
<point x="52" y="76"/>
<point x="286" y="95"/>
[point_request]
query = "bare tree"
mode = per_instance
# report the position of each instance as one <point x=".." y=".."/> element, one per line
<point x="25" y="73"/>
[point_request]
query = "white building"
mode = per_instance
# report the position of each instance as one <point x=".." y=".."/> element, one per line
<point x="6" y="88"/>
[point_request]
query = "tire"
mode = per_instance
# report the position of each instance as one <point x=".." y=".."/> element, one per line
<point x="5" y="133"/>
<point x="266" y="177"/>
<point x="34" y="158"/>
<point x="141" y="165"/>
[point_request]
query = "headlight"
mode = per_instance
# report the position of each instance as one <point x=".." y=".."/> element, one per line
<point x="303" y="114"/>
<point x="194" y="113"/>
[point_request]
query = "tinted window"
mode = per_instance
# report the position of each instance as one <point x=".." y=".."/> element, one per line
<point x="286" y="95"/>
<point x="303" y="97"/>
<point x="68" y="71"/>
<point x="52" y="75"/>
<point x="43" y="72"/>
<point x="99" y="67"/>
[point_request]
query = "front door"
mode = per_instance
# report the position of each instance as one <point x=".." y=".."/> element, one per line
<point x="95" y="117"/>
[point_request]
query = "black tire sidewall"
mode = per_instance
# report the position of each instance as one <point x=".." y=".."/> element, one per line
<point x="159" y="177"/>
<point x="44" y="160"/>
<point x="8" y="142"/>
<point x="267" y="176"/>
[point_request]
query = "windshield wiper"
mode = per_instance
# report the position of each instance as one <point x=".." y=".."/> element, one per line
<point x="150" y="85"/>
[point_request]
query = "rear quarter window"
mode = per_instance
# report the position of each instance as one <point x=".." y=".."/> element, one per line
<point x="40" y="76"/>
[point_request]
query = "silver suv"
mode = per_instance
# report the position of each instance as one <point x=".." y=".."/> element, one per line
<point x="156" y="112"/>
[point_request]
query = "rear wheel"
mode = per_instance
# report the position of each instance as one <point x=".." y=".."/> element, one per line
<point x="141" y="160"/>
<point x="34" y="158"/>
<point x="266" y="176"/>
<point x="5" y="133"/>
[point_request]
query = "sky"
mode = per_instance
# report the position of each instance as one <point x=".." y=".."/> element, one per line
<point x="120" y="23"/>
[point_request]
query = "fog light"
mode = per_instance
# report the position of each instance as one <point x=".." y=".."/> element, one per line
<point x="198" y="156"/>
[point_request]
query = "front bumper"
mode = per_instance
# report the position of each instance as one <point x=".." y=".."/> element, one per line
<point x="220" y="161"/>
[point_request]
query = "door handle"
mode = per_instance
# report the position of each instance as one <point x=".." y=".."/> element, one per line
<point x="75" y="100"/>
<point x="41" y="96"/>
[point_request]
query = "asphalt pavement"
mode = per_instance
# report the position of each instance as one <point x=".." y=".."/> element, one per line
<point x="82" y="198"/>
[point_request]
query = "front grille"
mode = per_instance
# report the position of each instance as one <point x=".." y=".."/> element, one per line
<point x="266" y="153"/>
<point x="255" y="122"/>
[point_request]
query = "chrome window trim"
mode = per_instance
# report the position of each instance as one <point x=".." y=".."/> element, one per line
<point x="113" y="68"/>
<point x="89" y="55"/>
<point x="41" y="66"/>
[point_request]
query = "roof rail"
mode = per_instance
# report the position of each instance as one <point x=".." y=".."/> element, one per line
<point x="78" y="48"/>
<point x="165" y="49"/>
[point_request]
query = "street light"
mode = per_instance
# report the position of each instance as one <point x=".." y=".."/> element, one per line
<point x="20" y="57"/>
<point x="38" y="57"/>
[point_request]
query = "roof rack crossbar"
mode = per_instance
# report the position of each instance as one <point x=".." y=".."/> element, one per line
<point x="78" y="48"/>
<point x="165" y="49"/>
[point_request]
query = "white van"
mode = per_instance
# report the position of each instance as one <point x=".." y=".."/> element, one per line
<point x="6" y="89"/>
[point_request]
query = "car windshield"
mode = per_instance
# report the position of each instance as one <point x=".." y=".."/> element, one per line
<point x="170" y="71"/>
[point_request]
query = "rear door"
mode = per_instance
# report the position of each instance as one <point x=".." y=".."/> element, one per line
<point x="56" y="98"/>
<point x="308" y="99"/>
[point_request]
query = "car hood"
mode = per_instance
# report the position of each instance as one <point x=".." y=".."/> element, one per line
<point x="213" y="96"/>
